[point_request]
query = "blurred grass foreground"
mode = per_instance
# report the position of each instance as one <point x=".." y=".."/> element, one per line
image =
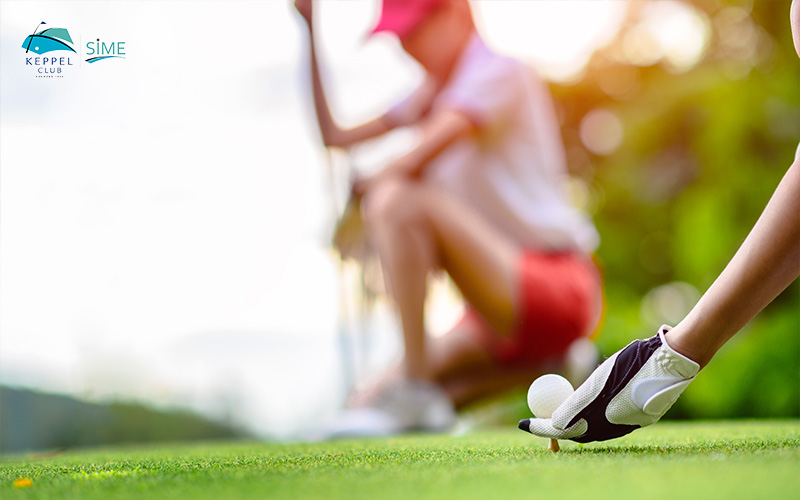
<point x="724" y="460"/>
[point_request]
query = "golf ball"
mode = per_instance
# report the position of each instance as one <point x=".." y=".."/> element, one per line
<point x="547" y="393"/>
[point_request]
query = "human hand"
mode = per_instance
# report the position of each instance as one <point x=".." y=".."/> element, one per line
<point x="305" y="8"/>
<point x="399" y="168"/>
<point x="359" y="187"/>
<point x="633" y="388"/>
<point x="363" y="184"/>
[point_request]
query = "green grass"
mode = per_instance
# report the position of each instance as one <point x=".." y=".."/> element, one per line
<point x="739" y="459"/>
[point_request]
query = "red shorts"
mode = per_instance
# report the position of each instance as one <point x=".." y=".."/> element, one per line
<point x="559" y="302"/>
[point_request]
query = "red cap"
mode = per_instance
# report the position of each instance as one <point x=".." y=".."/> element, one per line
<point x="401" y="17"/>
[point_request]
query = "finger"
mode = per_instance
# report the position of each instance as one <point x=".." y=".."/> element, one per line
<point x="543" y="427"/>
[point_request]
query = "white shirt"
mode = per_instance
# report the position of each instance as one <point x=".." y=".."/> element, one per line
<point x="513" y="170"/>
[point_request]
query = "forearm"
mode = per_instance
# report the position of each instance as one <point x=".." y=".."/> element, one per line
<point x="329" y="130"/>
<point x="766" y="263"/>
<point x="332" y="134"/>
<point x="438" y="132"/>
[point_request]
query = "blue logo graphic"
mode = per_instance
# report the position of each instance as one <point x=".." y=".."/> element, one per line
<point x="48" y="40"/>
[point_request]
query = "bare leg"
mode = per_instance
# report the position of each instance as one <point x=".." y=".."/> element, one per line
<point x="462" y="368"/>
<point x="766" y="263"/>
<point x="467" y="373"/>
<point x="415" y="229"/>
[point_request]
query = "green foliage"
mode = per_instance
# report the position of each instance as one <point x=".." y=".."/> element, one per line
<point x="745" y="459"/>
<point x="701" y="155"/>
<point x="755" y="364"/>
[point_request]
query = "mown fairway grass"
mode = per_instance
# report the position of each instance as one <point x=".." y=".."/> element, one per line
<point x="738" y="459"/>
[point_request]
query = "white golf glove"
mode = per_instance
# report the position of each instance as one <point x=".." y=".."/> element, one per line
<point x="633" y="388"/>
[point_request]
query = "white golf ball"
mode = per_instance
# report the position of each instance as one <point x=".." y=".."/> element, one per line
<point x="547" y="393"/>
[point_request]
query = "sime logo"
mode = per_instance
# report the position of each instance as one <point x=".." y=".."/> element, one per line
<point x="104" y="50"/>
<point x="45" y="42"/>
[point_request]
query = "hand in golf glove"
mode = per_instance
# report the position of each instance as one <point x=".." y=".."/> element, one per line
<point x="633" y="388"/>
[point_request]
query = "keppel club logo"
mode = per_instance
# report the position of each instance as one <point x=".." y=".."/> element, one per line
<point x="54" y="42"/>
<point x="45" y="42"/>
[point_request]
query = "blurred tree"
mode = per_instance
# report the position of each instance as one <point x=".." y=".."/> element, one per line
<point x="31" y="421"/>
<point x="708" y="132"/>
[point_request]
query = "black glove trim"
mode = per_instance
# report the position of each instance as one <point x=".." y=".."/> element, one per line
<point x="600" y="429"/>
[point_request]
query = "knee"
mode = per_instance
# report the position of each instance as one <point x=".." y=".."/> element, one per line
<point x="392" y="205"/>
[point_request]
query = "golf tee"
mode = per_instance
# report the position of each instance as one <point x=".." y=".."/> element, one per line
<point x="553" y="445"/>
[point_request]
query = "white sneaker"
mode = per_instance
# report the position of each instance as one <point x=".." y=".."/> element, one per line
<point x="403" y="407"/>
<point x="361" y="423"/>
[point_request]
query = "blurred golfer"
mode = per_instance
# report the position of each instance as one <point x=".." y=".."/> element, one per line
<point x="637" y="385"/>
<point x="482" y="197"/>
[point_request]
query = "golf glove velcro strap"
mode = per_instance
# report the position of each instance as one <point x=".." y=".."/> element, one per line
<point x="633" y="388"/>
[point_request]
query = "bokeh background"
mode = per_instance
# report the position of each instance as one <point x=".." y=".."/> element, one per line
<point x="165" y="266"/>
